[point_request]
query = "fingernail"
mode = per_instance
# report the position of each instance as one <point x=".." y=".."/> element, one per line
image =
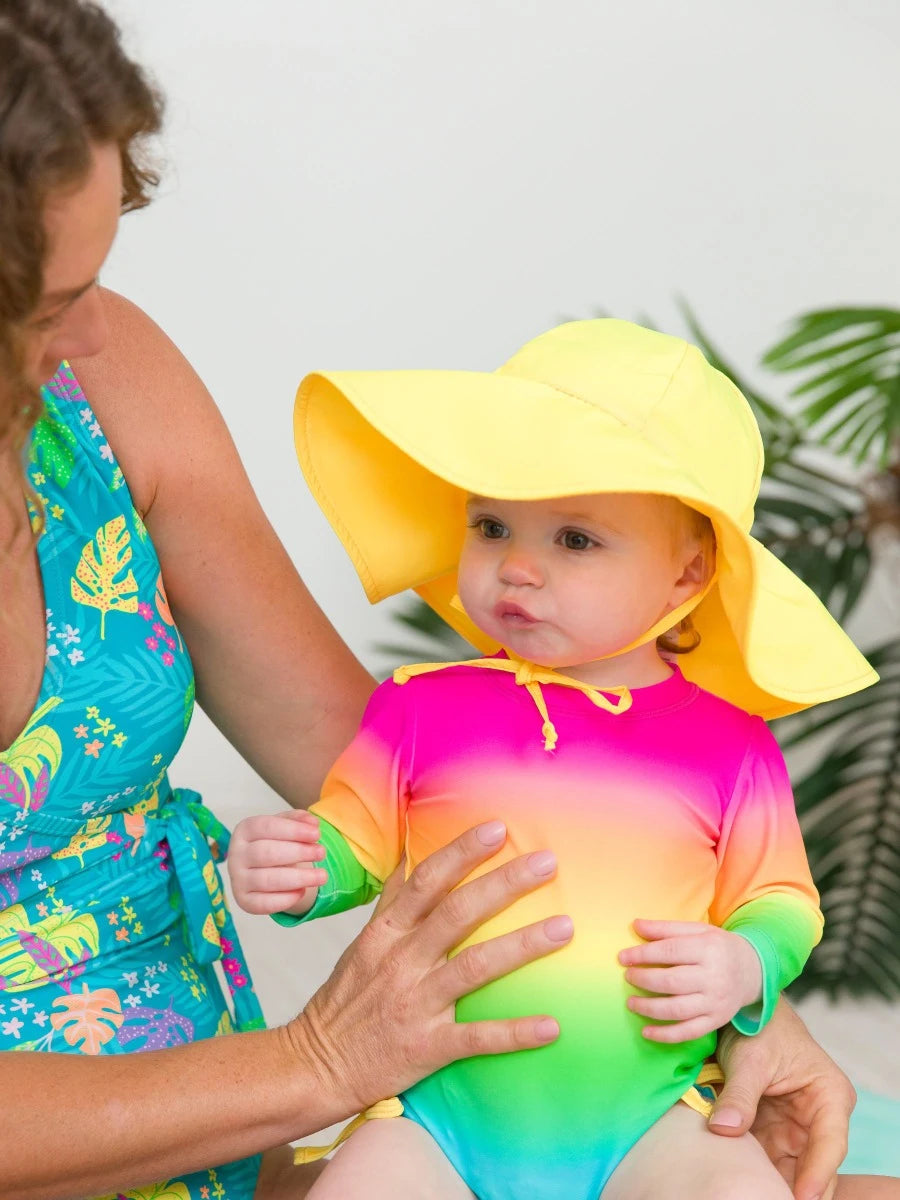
<point x="546" y="1029"/>
<point x="491" y="833"/>
<point x="542" y="862"/>
<point x="730" y="1118"/>
<point x="559" y="929"/>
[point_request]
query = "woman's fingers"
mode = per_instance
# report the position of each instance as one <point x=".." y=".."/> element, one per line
<point x="440" y="872"/>
<point x="467" y="1039"/>
<point x="480" y="964"/>
<point x="467" y="907"/>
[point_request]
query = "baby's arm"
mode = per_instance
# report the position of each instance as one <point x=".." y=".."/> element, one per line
<point x="765" y="904"/>
<point x="337" y="856"/>
<point x="272" y="863"/>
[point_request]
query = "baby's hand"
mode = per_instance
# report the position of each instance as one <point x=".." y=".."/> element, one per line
<point x="703" y="975"/>
<point x="270" y="862"/>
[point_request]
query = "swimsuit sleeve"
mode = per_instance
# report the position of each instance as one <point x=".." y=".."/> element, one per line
<point x="764" y="889"/>
<point x="362" y="808"/>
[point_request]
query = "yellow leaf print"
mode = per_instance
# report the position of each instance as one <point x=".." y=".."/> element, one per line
<point x="36" y="747"/>
<point x="93" y="583"/>
<point x="225" y="1025"/>
<point x="91" y="1018"/>
<point x="32" y="950"/>
<point x="157" y="1191"/>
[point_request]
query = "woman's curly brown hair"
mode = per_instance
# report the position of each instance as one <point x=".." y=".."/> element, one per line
<point x="65" y="85"/>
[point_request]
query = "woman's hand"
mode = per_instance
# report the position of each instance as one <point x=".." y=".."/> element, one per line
<point x="783" y="1087"/>
<point x="386" y="1016"/>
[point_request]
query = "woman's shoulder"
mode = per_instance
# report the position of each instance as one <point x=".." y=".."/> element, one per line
<point x="145" y="394"/>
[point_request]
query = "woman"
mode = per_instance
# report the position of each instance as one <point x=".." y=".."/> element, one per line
<point x="150" y="470"/>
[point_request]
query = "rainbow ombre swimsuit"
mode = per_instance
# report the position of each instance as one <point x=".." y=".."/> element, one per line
<point x="678" y="809"/>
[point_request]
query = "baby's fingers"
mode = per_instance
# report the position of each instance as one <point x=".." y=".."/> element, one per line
<point x="295" y="826"/>
<point x="669" y="952"/>
<point x="284" y="879"/>
<point x="262" y="855"/>
<point x="679" y="1031"/>
<point x="669" y="981"/>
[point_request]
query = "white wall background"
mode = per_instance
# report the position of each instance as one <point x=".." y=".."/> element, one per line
<point x="413" y="183"/>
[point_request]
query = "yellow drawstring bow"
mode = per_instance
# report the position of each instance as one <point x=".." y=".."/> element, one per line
<point x="530" y="676"/>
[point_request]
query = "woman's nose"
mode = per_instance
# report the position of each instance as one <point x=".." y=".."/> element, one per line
<point x="520" y="569"/>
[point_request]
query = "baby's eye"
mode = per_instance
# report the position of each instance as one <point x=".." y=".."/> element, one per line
<point x="572" y="539"/>
<point x="491" y="529"/>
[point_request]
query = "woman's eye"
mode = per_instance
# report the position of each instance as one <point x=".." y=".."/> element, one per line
<point x="491" y="529"/>
<point x="573" y="540"/>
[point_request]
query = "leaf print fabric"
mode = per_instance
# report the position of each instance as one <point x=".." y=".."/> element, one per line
<point x="112" y="913"/>
<point x="94" y="583"/>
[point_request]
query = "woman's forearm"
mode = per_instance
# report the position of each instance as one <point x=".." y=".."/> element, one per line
<point x="76" y="1126"/>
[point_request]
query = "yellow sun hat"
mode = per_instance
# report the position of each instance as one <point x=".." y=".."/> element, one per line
<point x="589" y="407"/>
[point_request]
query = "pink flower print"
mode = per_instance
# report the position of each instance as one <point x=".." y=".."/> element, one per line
<point x="151" y="643"/>
<point x="168" y="658"/>
<point x="145" y="610"/>
<point x="93" y="748"/>
<point x="170" y="642"/>
<point x="158" y="629"/>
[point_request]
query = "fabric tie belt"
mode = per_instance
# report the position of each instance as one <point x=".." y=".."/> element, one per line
<point x="196" y="837"/>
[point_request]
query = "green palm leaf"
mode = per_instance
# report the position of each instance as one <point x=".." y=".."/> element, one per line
<point x="850" y="360"/>
<point x="849" y="806"/>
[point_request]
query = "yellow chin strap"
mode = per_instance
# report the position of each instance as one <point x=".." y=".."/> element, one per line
<point x="530" y="676"/>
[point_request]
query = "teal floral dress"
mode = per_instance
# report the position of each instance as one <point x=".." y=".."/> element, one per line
<point x="115" y="937"/>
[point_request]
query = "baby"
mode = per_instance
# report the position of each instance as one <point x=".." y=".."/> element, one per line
<point x="582" y="516"/>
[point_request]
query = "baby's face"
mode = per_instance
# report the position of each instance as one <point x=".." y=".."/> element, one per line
<point x="563" y="582"/>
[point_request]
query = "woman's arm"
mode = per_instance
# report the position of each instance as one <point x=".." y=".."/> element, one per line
<point x="271" y="671"/>
<point x="80" y="1126"/>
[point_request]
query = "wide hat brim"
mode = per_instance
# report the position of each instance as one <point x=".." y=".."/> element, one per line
<point x="391" y="456"/>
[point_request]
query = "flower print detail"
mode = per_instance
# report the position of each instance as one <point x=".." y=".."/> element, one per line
<point x="105" y="452"/>
<point x="168" y="658"/>
<point x="158" y="629"/>
<point x="92" y="712"/>
<point x="75" y="657"/>
<point x="104" y="726"/>
<point x="12" y="1028"/>
<point x="69" y="634"/>
<point x="151" y="643"/>
<point x="57" y="512"/>
<point x="80" y="731"/>
<point x="39" y="478"/>
<point x="145" y="610"/>
<point x="93" y="748"/>
<point x="52" y="651"/>
<point x="119" y="740"/>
